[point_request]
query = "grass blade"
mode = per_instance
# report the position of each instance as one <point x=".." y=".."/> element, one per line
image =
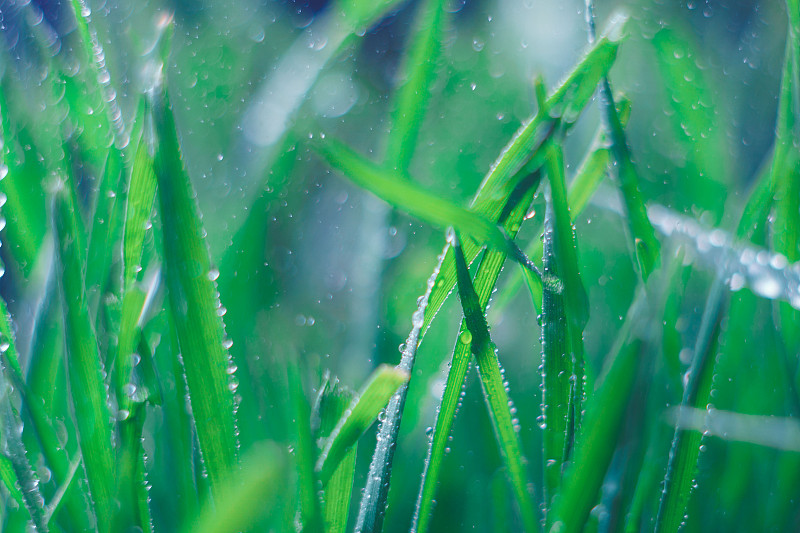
<point x="253" y="492"/>
<point x="682" y="467"/>
<point x="363" y="410"/>
<point x="485" y="279"/>
<point x="496" y="394"/>
<point x="332" y="402"/>
<point x="195" y="304"/>
<point x="84" y="366"/>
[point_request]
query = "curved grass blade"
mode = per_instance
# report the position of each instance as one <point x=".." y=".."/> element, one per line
<point x="413" y="94"/>
<point x="253" y="492"/>
<point x="84" y="367"/>
<point x="363" y="410"/>
<point x="682" y="466"/>
<point x="408" y="197"/>
<point x="195" y="304"/>
<point x="645" y="245"/>
<point x="496" y="395"/>
<point x="332" y="402"/>
<point x="10" y="434"/>
<point x="484" y="283"/>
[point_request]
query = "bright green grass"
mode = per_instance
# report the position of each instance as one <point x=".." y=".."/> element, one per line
<point x="169" y="358"/>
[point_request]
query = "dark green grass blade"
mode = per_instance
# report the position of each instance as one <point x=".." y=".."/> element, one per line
<point x="412" y="199"/>
<point x="566" y="101"/>
<point x="84" y="367"/>
<point x="195" y="304"/>
<point x="252" y="493"/>
<point x="10" y="424"/>
<point x="363" y="410"/>
<point x="682" y="467"/>
<point x="556" y="365"/>
<point x="305" y="451"/>
<point x="496" y="395"/>
<point x="484" y="282"/>
<point x="413" y="93"/>
<point x="332" y="402"/>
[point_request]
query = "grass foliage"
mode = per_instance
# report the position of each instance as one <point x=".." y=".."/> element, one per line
<point x="652" y="360"/>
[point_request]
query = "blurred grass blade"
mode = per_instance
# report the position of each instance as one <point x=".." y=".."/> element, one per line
<point x="408" y="197"/>
<point x="411" y="98"/>
<point x="495" y="394"/>
<point x="679" y="480"/>
<point x="556" y="366"/>
<point x="134" y="510"/>
<point x="309" y="516"/>
<point x="781" y="433"/>
<point x="369" y="402"/>
<point x="84" y="367"/>
<point x="11" y="429"/>
<point x="252" y="493"/>
<point x="332" y="402"/>
<point x="195" y="305"/>
<point x="484" y="283"/>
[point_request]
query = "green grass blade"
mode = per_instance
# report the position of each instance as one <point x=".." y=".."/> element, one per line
<point x="496" y="395"/>
<point x="485" y="279"/>
<point x="195" y="304"/>
<point x="413" y="93"/>
<point x="556" y="366"/>
<point x="252" y="493"/>
<point x="10" y="424"/>
<point x="332" y="402"/>
<point x="363" y="410"/>
<point x="9" y="478"/>
<point x="408" y="197"/>
<point x="133" y="511"/>
<point x="679" y="481"/>
<point x="84" y="366"/>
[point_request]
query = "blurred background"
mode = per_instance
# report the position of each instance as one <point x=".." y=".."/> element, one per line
<point x="313" y="268"/>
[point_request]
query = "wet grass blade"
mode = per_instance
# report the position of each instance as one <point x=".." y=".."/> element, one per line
<point x="332" y="402"/>
<point x="408" y="197"/>
<point x="84" y="367"/>
<point x="11" y="424"/>
<point x="484" y="282"/>
<point x="195" y="304"/>
<point x="252" y="493"/>
<point x="679" y="480"/>
<point x="363" y="410"/>
<point x="411" y="98"/>
<point x="496" y="394"/>
<point x="556" y="366"/>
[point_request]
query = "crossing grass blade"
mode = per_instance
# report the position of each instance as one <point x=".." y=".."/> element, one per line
<point x="484" y="282"/>
<point x="248" y="496"/>
<point x="332" y="402"/>
<point x="495" y="394"/>
<point x="361" y="413"/>
<point x="194" y="303"/>
<point x="84" y="367"/>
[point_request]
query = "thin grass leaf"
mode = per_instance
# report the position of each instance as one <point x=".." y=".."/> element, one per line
<point x="134" y="509"/>
<point x="496" y="395"/>
<point x="9" y="478"/>
<point x="195" y="303"/>
<point x="485" y="279"/>
<point x="411" y="98"/>
<point x="332" y="402"/>
<point x="679" y="480"/>
<point x="84" y="367"/>
<point x="363" y="410"/>
<point x="10" y="426"/>
<point x="408" y="197"/>
<point x="254" y="492"/>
